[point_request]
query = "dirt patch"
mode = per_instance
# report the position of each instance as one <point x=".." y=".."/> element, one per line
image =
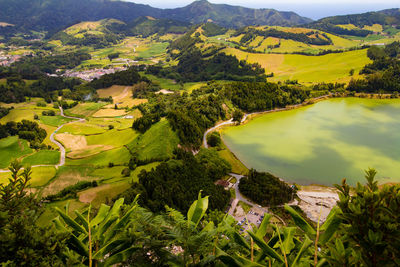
<point x="315" y="200"/>
<point x="72" y="142"/>
<point x="109" y="113"/>
<point x="79" y="147"/>
<point x="64" y="180"/>
<point x="88" y="151"/>
<point x="89" y="195"/>
<point x="164" y="92"/>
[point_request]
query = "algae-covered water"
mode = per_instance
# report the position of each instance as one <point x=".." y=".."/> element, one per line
<point x="324" y="142"/>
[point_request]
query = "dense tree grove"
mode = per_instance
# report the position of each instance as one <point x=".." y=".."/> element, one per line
<point x="212" y="29"/>
<point x="35" y="65"/>
<point x="126" y="77"/>
<point x="175" y="183"/>
<point x="195" y="66"/>
<point x="251" y="33"/>
<point x="383" y="74"/>
<point x="4" y="112"/>
<point x="144" y="123"/>
<point x="28" y="130"/>
<point x="265" y="189"/>
<point x="15" y="90"/>
<point x="265" y="96"/>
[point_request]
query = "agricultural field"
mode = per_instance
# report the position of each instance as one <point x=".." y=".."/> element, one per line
<point x="12" y="148"/>
<point x="40" y="176"/>
<point x="84" y="109"/>
<point x="25" y="110"/>
<point x="42" y="157"/>
<point x="308" y="69"/>
<point x="142" y="50"/>
<point x="122" y="96"/>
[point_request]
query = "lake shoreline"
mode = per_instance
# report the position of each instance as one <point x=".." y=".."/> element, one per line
<point x="314" y="198"/>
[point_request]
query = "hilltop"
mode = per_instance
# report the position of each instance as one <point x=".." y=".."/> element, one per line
<point x="384" y="21"/>
<point x="52" y="15"/>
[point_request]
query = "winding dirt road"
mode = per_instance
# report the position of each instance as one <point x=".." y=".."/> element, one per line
<point x="54" y="141"/>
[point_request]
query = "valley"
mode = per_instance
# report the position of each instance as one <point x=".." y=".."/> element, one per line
<point x="115" y="117"/>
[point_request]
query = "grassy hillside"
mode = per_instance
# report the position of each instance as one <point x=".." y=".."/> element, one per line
<point x="156" y="143"/>
<point x="308" y="69"/>
<point x="12" y="148"/>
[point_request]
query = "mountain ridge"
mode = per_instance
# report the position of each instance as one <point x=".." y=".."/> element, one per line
<point x="52" y="15"/>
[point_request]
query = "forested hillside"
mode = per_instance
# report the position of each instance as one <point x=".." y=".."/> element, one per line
<point x="51" y="15"/>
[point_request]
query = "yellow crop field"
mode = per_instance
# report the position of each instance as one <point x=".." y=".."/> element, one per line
<point x="374" y="28"/>
<point x="308" y="69"/>
<point x="290" y="46"/>
<point x="347" y="26"/>
<point x="109" y="112"/>
<point x="256" y="41"/>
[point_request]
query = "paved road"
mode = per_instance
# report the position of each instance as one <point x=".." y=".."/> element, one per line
<point x="240" y="197"/>
<point x="53" y="140"/>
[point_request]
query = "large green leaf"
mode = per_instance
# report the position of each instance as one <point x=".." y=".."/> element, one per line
<point x="300" y="222"/>
<point x="239" y="239"/>
<point x="330" y="226"/>
<point x="119" y="225"/>
<point x="120" y="257"/>
<point x="306" y="243"/>
<point x="101" y="215"/>
<point x="80" y="247"/>
<point x="70" y="222"/>
<point x="262" y="229"/>
<point x="234" y="261"/>
<point x="107" y="249"/>
<point x="267" y="250"/>
<point x="82" y="220"/>
<point x="288" y="241"/>
<point x="197" y="210"/>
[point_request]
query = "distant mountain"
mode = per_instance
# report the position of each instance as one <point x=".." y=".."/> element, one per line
<point x="233" y="16"/>
<point x="147" y="25"/>
<point x="55" y="15"/>
<point x="358" y="24"/>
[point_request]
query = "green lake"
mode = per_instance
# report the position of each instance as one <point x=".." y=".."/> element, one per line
<point x="324" y="142"/>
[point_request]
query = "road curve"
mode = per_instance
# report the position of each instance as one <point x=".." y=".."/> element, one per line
<point x="54" y="141"/>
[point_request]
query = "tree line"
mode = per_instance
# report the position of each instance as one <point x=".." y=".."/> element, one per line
<point x="176" y="182"/>
<point x="28" y="130"/>
<point x="266" y="189"/>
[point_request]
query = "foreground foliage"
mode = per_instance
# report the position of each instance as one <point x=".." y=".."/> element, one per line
<point x="363" y="230"/>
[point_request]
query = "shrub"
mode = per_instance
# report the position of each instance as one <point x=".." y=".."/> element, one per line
<point x="126" y="172"/>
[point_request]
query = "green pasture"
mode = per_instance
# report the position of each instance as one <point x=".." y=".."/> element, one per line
<point x="154" y="50"/>
<point x="42" y="157"/>
<point x="171" y="85"/>
<point x="84" y="109"/>
<point x="80" y="128"/>
<point x="308" y="69"/>
<point x="157" y="142"/>
<point x="117" y="156"/>
<point x="40" y="176"/>
<point x="12" y="148"/>
<point x="54" y="120"/>
<point x="112" y="175"/>
<point x="118" y="123"/>
<point x="113" y="138"/>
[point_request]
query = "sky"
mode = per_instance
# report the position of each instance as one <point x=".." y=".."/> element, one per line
<point x="314" y="9"/>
